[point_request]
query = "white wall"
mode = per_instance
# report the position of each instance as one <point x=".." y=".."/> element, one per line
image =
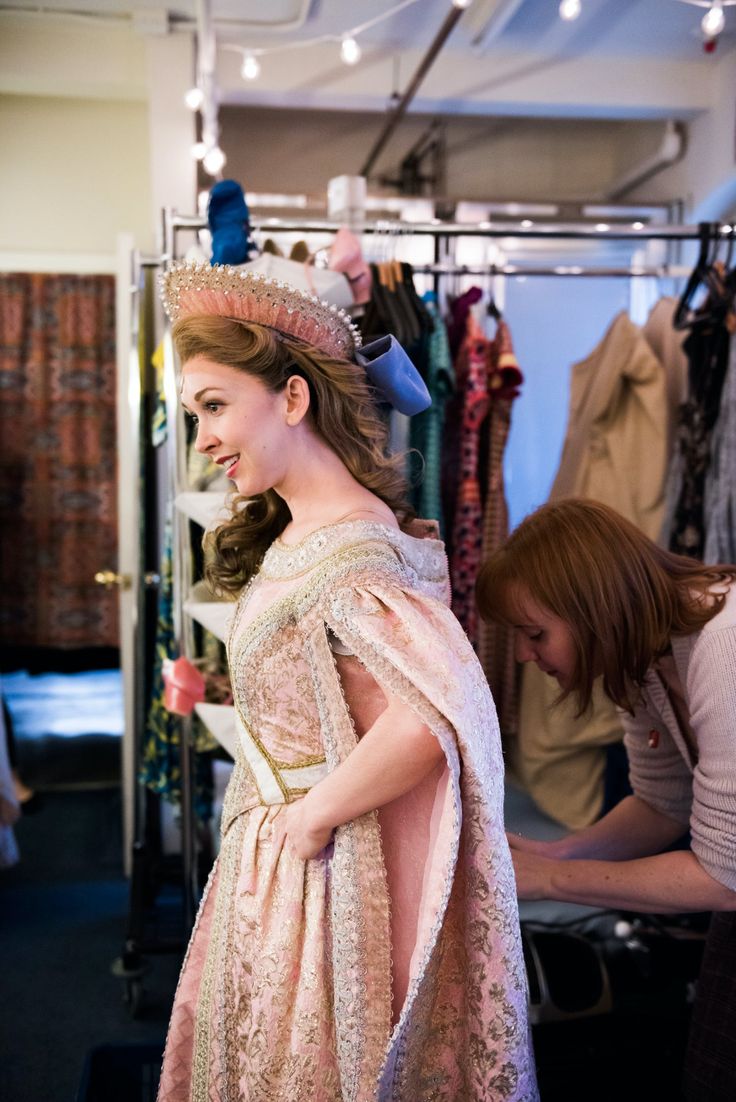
<point x="95" y="136"/>
<point x="506" y="158"/>
<point x="706" y="177"/>
<point x="76" y="174"/>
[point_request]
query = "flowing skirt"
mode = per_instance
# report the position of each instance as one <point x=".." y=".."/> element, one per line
<point x="252" y="1018"/>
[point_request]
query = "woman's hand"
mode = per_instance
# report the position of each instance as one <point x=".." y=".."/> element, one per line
<point x="300" y="833"/>
<point x="533" y="875"/>
<point x="520" y="844"/>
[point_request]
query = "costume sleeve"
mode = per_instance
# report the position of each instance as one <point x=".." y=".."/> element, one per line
<point x="466" y="975"/>
<point x="711" y="691"/>
<point x="416" y="649"/>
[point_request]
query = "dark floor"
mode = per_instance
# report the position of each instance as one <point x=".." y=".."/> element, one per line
<point x="63" y="917"/>
<point x="64" y="908"/>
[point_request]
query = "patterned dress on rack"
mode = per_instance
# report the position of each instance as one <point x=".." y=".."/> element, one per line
<point x="495" y="642"/>
<point x="467" y="537"/>
<point x="389" y="967"/>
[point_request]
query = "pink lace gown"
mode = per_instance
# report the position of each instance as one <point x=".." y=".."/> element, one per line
<point x="390" y="966"/>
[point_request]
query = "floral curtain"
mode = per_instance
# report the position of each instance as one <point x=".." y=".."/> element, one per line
<point x="58" y="522"/>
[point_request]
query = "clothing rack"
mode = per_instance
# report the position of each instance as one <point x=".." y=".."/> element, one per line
<point x="173" y="222"/>
<point x="442" y="233"/>
<point x="659" y="271"/>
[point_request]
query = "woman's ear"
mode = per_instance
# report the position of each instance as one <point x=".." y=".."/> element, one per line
<point x="297" y="399"/>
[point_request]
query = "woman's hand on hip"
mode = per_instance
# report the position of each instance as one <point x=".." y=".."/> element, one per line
<point x="305" y="838"/>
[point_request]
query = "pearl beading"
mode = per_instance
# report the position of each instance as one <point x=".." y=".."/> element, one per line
<point x="189" y="289"/>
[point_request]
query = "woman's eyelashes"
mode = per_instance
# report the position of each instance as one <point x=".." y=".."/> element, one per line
<point x="210" y="407"/>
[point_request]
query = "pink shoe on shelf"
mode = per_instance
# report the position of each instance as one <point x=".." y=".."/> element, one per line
<point x="346" y="256"/>
<point x="184" y="686"/>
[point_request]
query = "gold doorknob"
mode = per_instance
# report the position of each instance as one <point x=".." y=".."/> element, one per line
<point x="109" y="578"/>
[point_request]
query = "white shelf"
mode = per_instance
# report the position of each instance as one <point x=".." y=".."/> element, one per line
<point x="206" y="507"/>
<point x="219" y="719"/>
<point x="213" y="615"/>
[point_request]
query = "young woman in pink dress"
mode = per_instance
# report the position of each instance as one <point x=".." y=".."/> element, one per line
<point x="358" y="938"/>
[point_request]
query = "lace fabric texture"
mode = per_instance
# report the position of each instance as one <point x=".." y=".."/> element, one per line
<point x="390" y="966"/>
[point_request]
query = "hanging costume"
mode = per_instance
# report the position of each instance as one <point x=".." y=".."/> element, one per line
<point x="426" y="428"/>
<point x="495" y="641"/>
<point x="615" y="451"/>
<point x="720" y="478"/>
<point x="286" y="991"/>
<point x="467" y="534"/>
<point x="707" y="349"/>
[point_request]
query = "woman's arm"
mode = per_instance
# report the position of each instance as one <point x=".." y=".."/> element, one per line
<point x="617" y="862"/>
<point x="668" y="883"/>
<point x="393" y="756"/>
<point x="631" y="829"/>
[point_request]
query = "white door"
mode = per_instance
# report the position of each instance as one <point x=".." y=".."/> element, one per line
<point x="128" y="577"/>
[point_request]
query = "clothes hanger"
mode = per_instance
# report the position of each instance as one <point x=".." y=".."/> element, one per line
<point x="704" y="274"/>
<point x="492" y="310"/>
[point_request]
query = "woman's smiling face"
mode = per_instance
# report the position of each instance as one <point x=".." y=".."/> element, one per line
<point x="240" y="424"/>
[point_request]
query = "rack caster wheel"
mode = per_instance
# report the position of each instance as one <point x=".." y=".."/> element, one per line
<point x="131" y="973"/>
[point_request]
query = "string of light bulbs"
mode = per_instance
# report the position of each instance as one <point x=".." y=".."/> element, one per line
<point x="350" y="51"/>
<point x="712" y="23"/>
<point x="210" y="155"/>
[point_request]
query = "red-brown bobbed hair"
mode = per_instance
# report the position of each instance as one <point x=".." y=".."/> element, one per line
<point x="622" y="596"/>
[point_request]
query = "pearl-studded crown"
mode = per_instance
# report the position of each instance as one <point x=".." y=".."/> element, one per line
<point x="192" y="289"/>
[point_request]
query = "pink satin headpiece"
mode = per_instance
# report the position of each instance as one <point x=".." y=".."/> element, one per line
<point x="193" y="289"/>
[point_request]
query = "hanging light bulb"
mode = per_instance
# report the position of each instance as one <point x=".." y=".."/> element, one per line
<point x="251" y="67"/>
<point x="570" y="9"/>
<point x="714" y="20"/>
<point x="198" y="151"/>
<point x="461" y="3"/>
<point x="214" y="161"/>
<point x="194" y="99"/>
<point x="350" y="51"/>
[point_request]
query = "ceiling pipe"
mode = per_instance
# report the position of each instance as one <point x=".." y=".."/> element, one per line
<point x="496" y="23"/>
<point x="671" y="150"/>
<point x="399" y="111"/>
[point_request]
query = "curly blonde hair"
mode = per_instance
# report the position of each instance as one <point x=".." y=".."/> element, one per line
<point x="343" y="411"/>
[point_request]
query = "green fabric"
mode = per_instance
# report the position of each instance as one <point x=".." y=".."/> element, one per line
<point x="427" y="428"/>
<point x="161" y="763"/>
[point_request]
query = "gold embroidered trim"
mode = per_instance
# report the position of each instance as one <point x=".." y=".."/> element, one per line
<point x="204" y="1016"/>
<point x="423" y="559"/>
<point x="267" y="758"/>
<point x="302" y="764"/>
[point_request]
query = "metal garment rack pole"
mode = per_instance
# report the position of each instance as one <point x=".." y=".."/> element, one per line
<point x="659" y="271"/>
<point x="174" y="222"/>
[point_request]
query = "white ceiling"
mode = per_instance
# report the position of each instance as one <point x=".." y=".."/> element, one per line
<point x="606" y="28"/>
<point x="622" y="59"/>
